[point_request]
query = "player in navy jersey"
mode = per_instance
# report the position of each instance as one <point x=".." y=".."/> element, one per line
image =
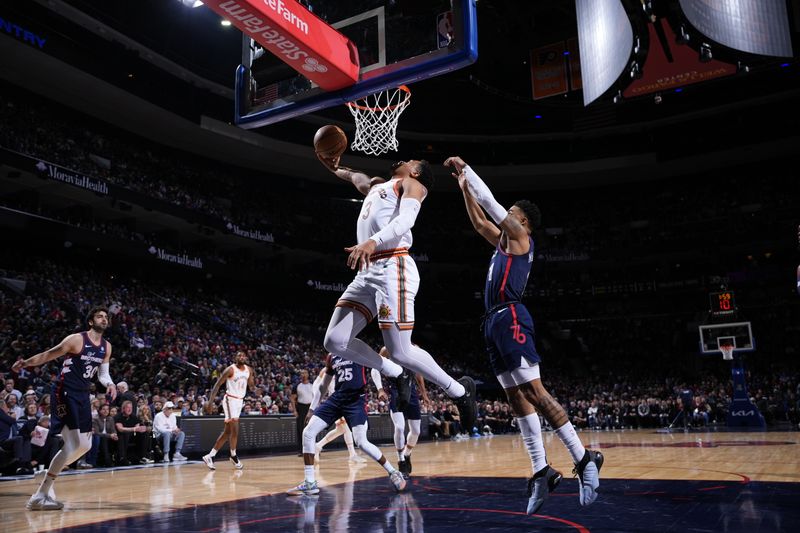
<point x="509" y="336"/>
<point x="402" y="411"/>
<point x="88" y="355"/>
<point x="349" y="400"/>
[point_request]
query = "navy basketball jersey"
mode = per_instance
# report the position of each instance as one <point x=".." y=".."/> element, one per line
<point x="79" y="369"/>
<point x="508" y="275"/>
<point x="349" y="376"/>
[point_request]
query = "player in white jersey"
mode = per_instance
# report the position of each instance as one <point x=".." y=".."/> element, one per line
<point x="387" y="280"/>
<point x="238" y="377"/>
<point x="341" y="427"/>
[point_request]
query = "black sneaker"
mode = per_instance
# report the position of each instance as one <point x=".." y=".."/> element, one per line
<point x="403" y="384"/>
<point x="402" y="467"/>
<point x="407" y="462"/>
<point x="588" y="471"/>
<point x="467" y="406"/>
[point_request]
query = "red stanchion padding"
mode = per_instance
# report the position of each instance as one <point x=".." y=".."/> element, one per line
<point x="297" y="37"/>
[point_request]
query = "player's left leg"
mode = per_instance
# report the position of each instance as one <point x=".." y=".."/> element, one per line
<point x="351" y="449"/>
<point x="587" y="462"/>
<point x="360" y="438"/>
<point x="234" y="423"/>
<point x="309" y="484"/>
<point x="411" y="441"/>
<point x="399" y="421"/>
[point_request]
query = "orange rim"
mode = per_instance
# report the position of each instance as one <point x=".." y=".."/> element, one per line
<point x="387" y="108"/>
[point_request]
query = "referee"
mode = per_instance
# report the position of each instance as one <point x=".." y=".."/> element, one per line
<point x="301" y="401"/>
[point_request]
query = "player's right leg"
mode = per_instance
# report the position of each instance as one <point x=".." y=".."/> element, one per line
<point x="349" y="318"/>
<point x="76" y="444"/>
<point x="544" y="479"/>
<point x="208" y="459"/>
<point x="312" y="429"/>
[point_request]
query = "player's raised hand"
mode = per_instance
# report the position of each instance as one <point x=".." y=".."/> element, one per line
<point x="360" y="254"/>
<point x="112" y="390"/>
<point x="457" y="163"/>
<point x="382" y="395"/>
<point x="18" y="365"/>
<point x="331" y="163"/>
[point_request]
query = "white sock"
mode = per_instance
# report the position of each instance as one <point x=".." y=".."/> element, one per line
<point x="213" y="452"/>
<point x="233" y="452"/>
<point x="309" y="471"/>
<point x="570" y="439"/>
<point x="388" y="466"/>
<point x="407" y="451"/>
<point x="47" y="483"/>
<point x="348" y="439"/>
<point x="400" y="456"/>
<point x="531" y="430"/>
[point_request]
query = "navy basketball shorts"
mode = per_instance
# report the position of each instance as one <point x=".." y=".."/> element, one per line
<point x="412" y="410"/>
<point x="510" y="342"/>
<point x="70" y="409"/>
<point x="353" y="407"/>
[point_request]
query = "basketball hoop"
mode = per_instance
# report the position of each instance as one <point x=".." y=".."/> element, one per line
<point x="727" y="351"/>
<point x="376" y="118"/>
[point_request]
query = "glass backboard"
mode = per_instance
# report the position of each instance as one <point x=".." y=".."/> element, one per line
<point x="398" y="41"/>
<point x="739" y="334"/>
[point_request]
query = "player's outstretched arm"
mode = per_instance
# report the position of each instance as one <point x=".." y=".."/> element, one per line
<point x="220" y="380"/>
<point x="485" y="229"/>
<point x="361" y="181"/>
<point x="71" y="344"/>
<point x="480" y="191"/>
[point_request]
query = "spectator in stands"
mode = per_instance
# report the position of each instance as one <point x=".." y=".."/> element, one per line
<point x="12" y="402"/>
<point x="12" y="441"/>
<point x="124" y="394"/>
<point x="9" y="389"/>
<point x="165" y="426"/>
<point x="129" y="428"/>
<point x="104" y="438"/>
<point x="44" y="445"/>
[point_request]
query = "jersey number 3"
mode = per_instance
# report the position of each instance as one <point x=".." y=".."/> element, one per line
<point x="90" y="372"/>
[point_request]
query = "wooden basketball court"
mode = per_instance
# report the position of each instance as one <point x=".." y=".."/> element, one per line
<point x="650" y="481"/>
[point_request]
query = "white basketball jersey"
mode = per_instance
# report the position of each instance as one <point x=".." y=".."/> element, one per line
<point x="380" y="207"/>
<point x="236" y="385"/>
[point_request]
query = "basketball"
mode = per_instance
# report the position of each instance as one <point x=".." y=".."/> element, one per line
<point x="330" y="141"/>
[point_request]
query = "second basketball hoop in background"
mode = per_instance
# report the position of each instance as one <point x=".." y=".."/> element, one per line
<point x="376" y="118"/>
<point x="330" y="141"/>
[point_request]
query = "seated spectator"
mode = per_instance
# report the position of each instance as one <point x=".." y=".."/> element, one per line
<point x="104" y="438"/>
<point x="13" y="406"/>
<point x="11" y="440"/>
<point x="44" y="445"/>
<point x="129" y="427"/>
<point x="146" y="419"/>
<point x="166" y="430"/>
<point x="124" y="395"/>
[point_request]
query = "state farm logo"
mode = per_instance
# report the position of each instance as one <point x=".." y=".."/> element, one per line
<point x="312" y="65"/>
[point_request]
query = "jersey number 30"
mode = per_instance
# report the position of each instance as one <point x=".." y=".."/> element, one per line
<point x="90" y="372"/>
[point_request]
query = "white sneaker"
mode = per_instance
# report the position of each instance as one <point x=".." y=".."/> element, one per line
<point x="209" y="461"/>
<point x="236" y="462"/>
<point x="397" y="480"/>
<point x="178" y="457"/>
<point x="37" y="479"/>
<point x="306" y="487"/>
<point x="43" y="502"/>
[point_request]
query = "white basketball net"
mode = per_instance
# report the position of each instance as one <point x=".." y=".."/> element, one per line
<point x="727" y="351"/>
<point x="376" y="120"/>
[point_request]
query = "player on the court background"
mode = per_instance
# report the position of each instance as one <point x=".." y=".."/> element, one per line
<point x="340" y="427"/>
<point x="88" y="354"/>
<point x="239" y="377"/>
<point x="402" y="411"/>
<point x="349" y="400"/>
<point x="387" y="281"/>
<point x="509" y="336"/>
